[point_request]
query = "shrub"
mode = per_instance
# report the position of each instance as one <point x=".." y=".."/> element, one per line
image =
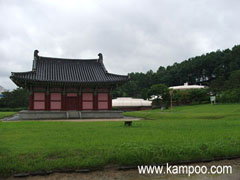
<point x="229" y="96"/>
<point x="12" y="109"/>
<point x="161" y="91"/>
<point x="191" y="96"/>
<point x="14" y="99"/>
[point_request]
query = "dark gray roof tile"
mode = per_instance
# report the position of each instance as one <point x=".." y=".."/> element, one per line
<point x="69" y="70"/>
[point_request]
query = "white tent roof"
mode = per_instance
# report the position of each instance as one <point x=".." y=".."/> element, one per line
<point x="186" y="86"/>
<point x="130" y="102"/>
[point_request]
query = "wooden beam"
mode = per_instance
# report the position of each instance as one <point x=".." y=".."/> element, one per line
<point x="110" y="99"/>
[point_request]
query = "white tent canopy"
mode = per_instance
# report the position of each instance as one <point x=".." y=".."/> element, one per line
<point x="130" y="102"/>
<point x="186" y="86"/>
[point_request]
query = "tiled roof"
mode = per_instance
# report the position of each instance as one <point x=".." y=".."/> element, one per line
<point x="59" y="70"/>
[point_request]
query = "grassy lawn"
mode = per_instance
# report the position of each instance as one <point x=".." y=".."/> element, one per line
<point x="6" y="114"/>
<point x="189" y="133"/>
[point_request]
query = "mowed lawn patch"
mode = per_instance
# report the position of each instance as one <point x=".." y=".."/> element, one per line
<point x="6" y="114"/>
<point x="189" y="133"/>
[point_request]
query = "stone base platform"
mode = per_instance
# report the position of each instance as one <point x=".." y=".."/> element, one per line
<point x="40" y="115"/>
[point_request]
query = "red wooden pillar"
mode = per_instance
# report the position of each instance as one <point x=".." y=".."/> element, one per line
<point x="63" y="102"/>
<point x="77" y="99"/>
<point x="31" y="102"/>
<point x="95" y="101"/>
<point x="47" y="102"/>
<point x="31" y="98"/>
<point x="79" y="102"/>
<point x="109" y="101"/>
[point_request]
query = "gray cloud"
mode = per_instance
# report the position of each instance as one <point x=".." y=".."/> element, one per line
<point x="132" y="35"/>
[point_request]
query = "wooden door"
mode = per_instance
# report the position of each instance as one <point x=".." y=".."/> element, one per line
<point x="71" y="102"/>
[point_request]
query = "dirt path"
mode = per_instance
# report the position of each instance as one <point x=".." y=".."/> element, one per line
<point x="15" y="118"/>
<point x="112" y="174"/>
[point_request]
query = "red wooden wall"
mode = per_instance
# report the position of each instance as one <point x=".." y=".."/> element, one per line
<point x="56" y="101"/>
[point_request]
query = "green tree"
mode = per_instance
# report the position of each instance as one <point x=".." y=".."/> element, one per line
<point x="15" y="99"/>
<point x="162" y="94"/>
<point x="234" y="80"/>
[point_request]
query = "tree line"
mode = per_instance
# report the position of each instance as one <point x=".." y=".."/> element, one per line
<point x="18" y="98"/>
<point x="218" y="70"/>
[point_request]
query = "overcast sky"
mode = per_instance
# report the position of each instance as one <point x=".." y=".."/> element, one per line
<point x="132" y="35"/>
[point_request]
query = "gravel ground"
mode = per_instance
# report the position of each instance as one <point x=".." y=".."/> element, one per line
<point x="113" y="174"/>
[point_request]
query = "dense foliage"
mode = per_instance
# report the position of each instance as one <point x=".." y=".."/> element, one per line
<point x="14" y="99"/>
<point x="159" y="90"/>
<point x="160" y="95"/>
<point x="191" y="96"/>
<point x="229" y="90"/>
<point x="216" y="69"/>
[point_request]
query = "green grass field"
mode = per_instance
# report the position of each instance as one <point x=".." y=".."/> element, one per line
<point x="189" y="133"/>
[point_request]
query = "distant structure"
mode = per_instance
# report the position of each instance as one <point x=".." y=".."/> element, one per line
<point x="1" y="91"/>
<point x="186" y="87"/>
<point x="131" y="104"/>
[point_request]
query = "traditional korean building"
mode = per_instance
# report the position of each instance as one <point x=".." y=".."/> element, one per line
<point x="57" y="84"/>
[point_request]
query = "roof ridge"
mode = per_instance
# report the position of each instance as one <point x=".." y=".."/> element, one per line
<point x="68" y="59"/>
<point x="67" y="71"/>
<point x="22" y="72"/>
